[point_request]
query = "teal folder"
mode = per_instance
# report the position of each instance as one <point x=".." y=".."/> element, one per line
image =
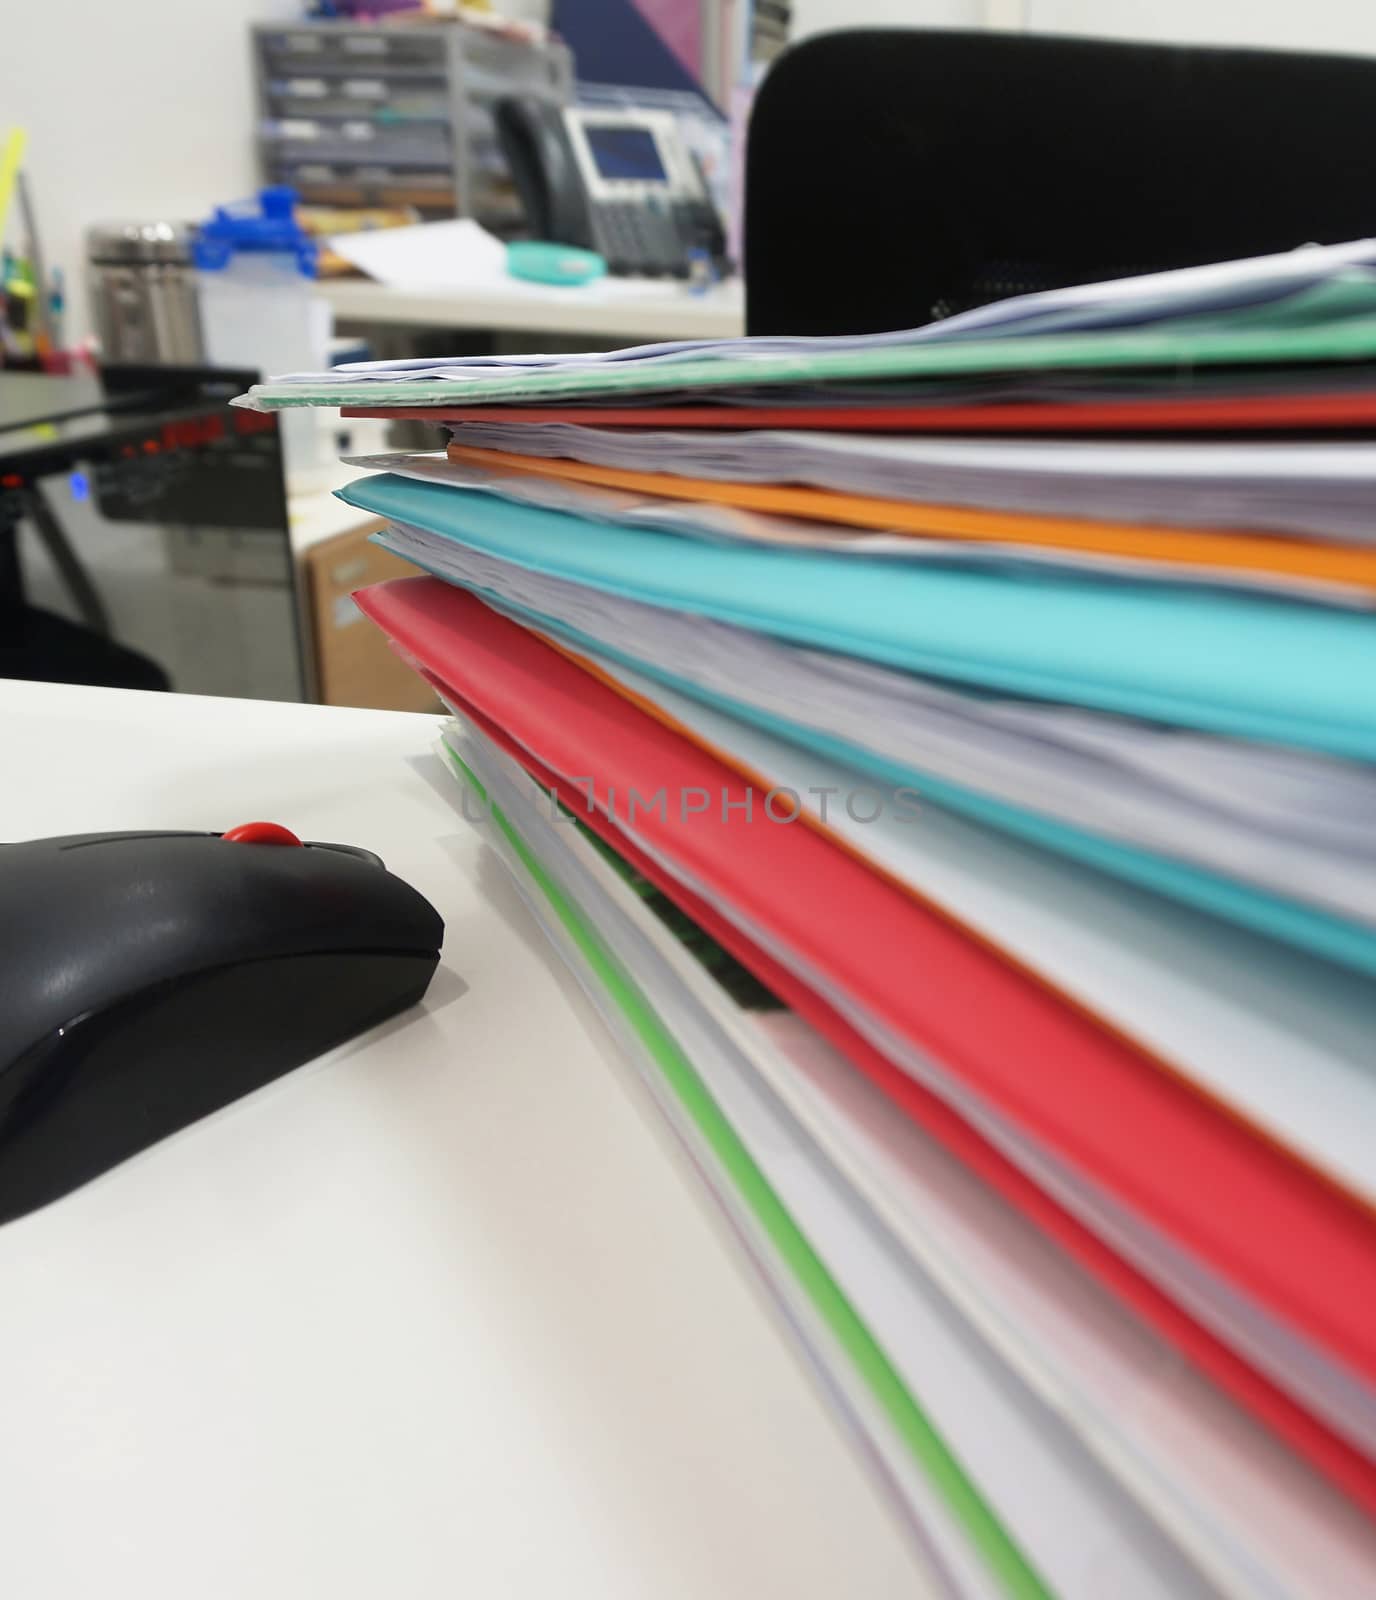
<point x="1252" y="667"/>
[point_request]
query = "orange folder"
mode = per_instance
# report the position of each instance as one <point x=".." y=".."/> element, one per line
<point x="1351" y="566"/>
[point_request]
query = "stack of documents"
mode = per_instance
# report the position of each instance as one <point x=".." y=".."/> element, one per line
<point x="970" y="834"/>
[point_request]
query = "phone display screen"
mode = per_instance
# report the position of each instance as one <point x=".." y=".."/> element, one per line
<point x="624" y="152"/>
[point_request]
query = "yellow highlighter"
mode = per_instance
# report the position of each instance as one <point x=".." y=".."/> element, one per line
<point x="11" y="157"/>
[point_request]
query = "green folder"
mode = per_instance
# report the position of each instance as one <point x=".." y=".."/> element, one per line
<point x="1335" y="321"/>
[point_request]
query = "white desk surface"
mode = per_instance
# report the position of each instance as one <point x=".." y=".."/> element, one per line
<point x="627" y="309"/>
<point x="441" y="1316"/>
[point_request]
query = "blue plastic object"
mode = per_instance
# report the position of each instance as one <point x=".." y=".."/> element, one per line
<point x="272" y="228"/>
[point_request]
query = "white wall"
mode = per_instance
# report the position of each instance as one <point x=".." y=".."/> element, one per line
<point x="1346" y="25"/>
<point x="820" y="16"/>
<point x="134" y="109"/>
<point x="1342" y="25"/>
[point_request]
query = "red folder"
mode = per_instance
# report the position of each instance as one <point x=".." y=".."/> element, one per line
<point x="1183" y="414"/>
<point x="1267" y="1223"/>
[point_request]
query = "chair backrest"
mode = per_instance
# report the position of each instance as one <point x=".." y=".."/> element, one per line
<point x="896" y="176"/>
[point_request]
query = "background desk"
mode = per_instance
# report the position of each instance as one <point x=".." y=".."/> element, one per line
<point x="441" y="1315"/>
<point x="616" y="310"/>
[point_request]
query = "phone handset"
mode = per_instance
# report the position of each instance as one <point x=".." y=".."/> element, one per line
<point x="536" y="144"/>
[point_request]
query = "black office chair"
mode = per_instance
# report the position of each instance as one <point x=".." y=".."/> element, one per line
<point x="894" y="177"/>
<point x="38" y="645"/>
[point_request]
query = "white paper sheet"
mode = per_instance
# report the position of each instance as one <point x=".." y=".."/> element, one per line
<point x="451" y="255"/>
<point x="1317" y="488"/>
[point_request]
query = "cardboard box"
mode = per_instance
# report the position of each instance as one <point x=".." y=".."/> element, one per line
<point x="354" y="664"/>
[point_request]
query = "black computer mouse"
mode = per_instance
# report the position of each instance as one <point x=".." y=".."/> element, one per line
<point x="147" y="979"/>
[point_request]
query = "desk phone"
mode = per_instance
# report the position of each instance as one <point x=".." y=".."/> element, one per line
<point x="621" y="182"/>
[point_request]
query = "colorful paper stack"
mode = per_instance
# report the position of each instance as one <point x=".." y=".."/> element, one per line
<point x="946" y="758"/>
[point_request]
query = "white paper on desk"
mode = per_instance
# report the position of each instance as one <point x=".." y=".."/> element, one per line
<point x="451" y="257"/>
<point x="429" y="255"/>
<point x="1074" y="1524"/>
<point x="734" y="524"/>
<point x="1252" y="1516"/>
<point x="1310" y="488"/>
<point x="1297" y="824"/>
